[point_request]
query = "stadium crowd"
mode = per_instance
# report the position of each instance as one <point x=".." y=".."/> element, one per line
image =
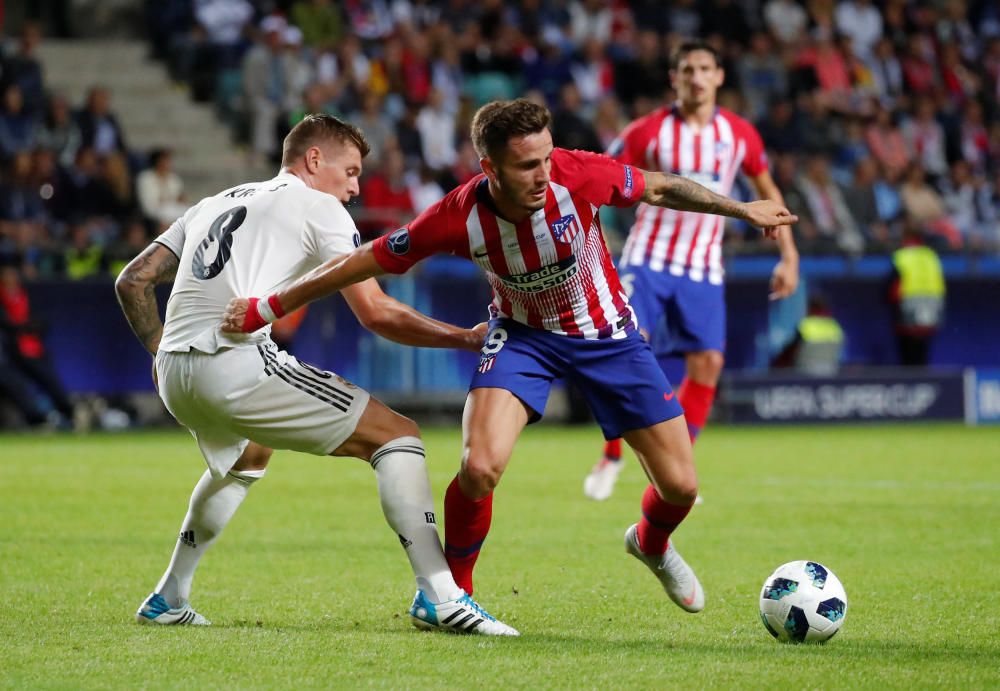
<point x="878" y="115"/>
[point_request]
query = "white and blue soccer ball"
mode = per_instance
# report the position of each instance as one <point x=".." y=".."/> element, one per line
<point x="803" y="601"/>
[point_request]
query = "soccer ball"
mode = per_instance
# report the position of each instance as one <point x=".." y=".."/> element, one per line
<point x="803" y="601"/>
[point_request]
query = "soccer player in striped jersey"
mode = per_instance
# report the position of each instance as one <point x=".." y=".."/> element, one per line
<point x="241" y="397"/>
<point x="530" y="221"/>
<point x="671" y="265"/>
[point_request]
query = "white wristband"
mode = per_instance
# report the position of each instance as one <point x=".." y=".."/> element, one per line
<point x="265" y="311"/>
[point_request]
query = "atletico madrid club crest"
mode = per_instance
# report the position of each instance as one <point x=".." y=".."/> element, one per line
<point x="566" y="228"/>
<point x="486" y="364"/>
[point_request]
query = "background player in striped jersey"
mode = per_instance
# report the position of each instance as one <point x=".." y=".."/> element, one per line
<point x="671" y="265"/>
<point x="241" y="397"/>
<point x="530" y="221"/>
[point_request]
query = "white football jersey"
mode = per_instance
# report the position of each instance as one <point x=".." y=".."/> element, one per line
<point x="248" y="241"/>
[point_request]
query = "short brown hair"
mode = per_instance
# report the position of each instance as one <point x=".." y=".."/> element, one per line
<point x="317" y="129"/>
<point x="495" y="123"/>
<point x="688" y="47"/>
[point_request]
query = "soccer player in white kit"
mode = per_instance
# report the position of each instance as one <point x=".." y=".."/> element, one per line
<point x="241" y="397"/>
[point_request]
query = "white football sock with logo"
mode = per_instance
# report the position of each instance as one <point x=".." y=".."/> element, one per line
<point x="213" y="503"/>
<point x="405" y="492"/>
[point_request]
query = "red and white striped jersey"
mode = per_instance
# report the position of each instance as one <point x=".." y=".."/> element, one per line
<point x="551" y="271"/>
<point x="685" y="242"/>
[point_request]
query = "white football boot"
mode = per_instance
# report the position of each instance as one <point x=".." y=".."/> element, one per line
<point x="675" y="575"/>
<point x="600" y="483"/>
<point x="461" y="615"/>
<point x="156" y="610"/>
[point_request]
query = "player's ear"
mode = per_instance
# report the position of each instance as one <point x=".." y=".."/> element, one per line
<point x="488" y="168"/>
<point x="314" y="159"/>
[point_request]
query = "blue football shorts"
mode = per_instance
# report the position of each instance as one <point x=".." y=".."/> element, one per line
<point x="694" y="311"/>
<point x="619" y="377"/>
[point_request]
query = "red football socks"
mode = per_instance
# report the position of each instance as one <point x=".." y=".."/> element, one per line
<point x="696" y="399"/>
<point x="659" y="519"/>
<point x="466" y="524"/>
<point x="613" y="449"/>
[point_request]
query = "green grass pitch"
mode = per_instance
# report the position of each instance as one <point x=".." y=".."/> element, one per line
<point x="309" y="588"/>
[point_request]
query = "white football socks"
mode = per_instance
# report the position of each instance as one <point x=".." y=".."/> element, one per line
<point x="405" y="493"/>
<point x="213" y="503"/>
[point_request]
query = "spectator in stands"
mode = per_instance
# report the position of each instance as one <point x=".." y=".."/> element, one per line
<point x="59" y="132"/>
<point x="967" y="200"/>
<point x="408" y="137"/>
<point x="974" y="140"/>
<point x="272" y="81"/>
<point x="786" y="20"/>
<point x="117" y="180"/>
<point x="446" y="74"/>
<point x="682" y="18"/>
<point x="28" y="354"/>
<point x="20" y="202"/>
<point x="84" y="258"/>
<point x="569" y="129"/>
<point x="860" y="198"/>
<point x="436" y="125"/>
<point x="130" y="244"/>
<point x="593" y="74"/>
<point x="224" y="22"/>
<point x="862" y="22"/>
<point x="99" y="128"/>
<point x="160" y="191"/>
<point x="425" y="190"/>
<point x="589" y="19"/>
<point x="17" y="127"/>
<point x="608" y="121"/>
<point x="762" y="76"/>
<point x="320" y="22"/>
<point x="385" y="196"/>
<point x="828" y="219"/>
<point x="887" y="144"/>
<point x="376" y="126"/>
<point x="644" y="76"/>
<point x="887" y="73"/>
<point x="24" y="70"/>
<point x="924" y="207"/>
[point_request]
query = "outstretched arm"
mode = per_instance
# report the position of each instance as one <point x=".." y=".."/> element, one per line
<point x="246" y="315"/>
<point x="785" y="277"/>
<point x="677" y="192"/>
<point x="390" y="318"/>
<point x="135" y="288"/>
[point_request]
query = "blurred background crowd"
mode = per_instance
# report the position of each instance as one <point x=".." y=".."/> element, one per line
<point x="878" y="116"/>
<point x="881" y="119"/>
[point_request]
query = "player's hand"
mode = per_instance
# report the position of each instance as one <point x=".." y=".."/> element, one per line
<point x="784" y="280"/>
<point x="768" y="215"/>
<point x="235" y="316"/>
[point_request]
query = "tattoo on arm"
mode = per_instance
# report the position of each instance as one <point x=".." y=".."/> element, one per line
<point x="136" y="289"/>
<point x="676" y="192"/>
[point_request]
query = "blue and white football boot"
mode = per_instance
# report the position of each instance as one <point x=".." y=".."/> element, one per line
<point x="676" y="577"/>
<point x="461" y="615"/>
<point x="156" y="610"/>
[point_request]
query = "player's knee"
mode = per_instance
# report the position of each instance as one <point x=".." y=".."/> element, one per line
<point x="705" y="367"/>
<point x="481" y="471"/>
<point x="687" y="490"/>
<point x="405" y="427"/>
<point x="254" y="457"/>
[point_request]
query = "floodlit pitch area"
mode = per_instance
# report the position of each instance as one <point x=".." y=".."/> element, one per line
<point x="308" y="587"/>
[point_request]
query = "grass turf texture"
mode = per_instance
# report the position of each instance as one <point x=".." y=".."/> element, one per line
<point x="308" y="587"/>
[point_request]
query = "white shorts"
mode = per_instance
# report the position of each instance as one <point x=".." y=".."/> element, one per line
<point x="257" y="393"/>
